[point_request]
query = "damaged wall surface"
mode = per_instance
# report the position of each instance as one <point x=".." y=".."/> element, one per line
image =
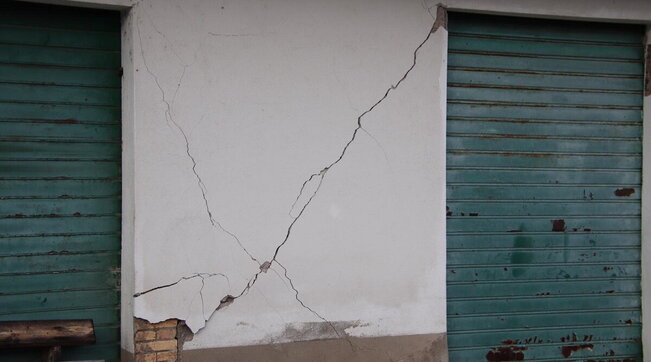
<point x="286" y="174"/>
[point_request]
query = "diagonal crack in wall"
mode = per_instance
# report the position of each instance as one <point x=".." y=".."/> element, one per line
<point x="316" y="178"/>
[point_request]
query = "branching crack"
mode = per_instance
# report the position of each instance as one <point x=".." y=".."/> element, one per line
<point x="203" y="276"/>
<point x="320" y="176"/>
<point x="169" y="117"/>
<point x="316" y="178"/>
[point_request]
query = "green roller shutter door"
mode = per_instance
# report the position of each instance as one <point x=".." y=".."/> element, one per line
<point x="543" y="189"/>
<point x="60" y="183"/>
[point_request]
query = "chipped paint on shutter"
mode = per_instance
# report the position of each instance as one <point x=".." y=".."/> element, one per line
<point x="60" y="186"/>
<point x="543" y="189"/>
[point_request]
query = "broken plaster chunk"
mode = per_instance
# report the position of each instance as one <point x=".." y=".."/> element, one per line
<point x="226" y="301"/>
<point x="265" y="266"/>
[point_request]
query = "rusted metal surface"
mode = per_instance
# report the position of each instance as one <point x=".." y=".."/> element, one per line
<point x="543" y="202"/>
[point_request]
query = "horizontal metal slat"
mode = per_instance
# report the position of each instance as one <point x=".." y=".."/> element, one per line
<point x="44" y="283"/>
<point x="64" y="17"/>
<point x="520" y="111"/>
<point x="24" y="54"/>
<point x="631" y="179"/>
<point x="54" y="155"/>
<point x="59" y="225"/>
<point x="543" y="29"/>
<point x="552" y="192"/>
<point x="66" y="206"/>
<point x="100" y="316"/>
<point x="62" y="130"/>
<point x="505" y="78"/>
<point x="11" y="92"/>
<point x="542" y="160"/>
<point x="56" y="301"/>
<point x="537" y="272"/>
<point x="541" y="288"/>
<point x="40" y="152"/>
<point x="545" y="128"/>
<point x="94" y="261"/>
<point x="59" y="188"/>
<point x="546" y="47"/>
<point x="12" y="34"/>
<point x="580" y="239"/>
<point x="526" y="257"/>
<point x="539" y="208"/>
<point x="485" y="61"/>
<point x="544" y="223"/>
<point x="59" y="244"/>
<point x="542" y="97"/>
<point x="72" y="169"/>
<point x="52" y="75"/>
<point x="603" y="301"/>
<point x="60" y="112"/>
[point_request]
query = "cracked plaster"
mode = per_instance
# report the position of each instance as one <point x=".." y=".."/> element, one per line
<point x="233" y="126"/>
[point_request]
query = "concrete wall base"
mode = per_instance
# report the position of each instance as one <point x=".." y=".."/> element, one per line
<point x="413" y="348"/>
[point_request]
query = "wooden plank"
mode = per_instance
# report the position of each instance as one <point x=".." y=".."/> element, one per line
<point x="543" y="160"/>
<point x="57" y="282"/>
<point x="46" y="333"/>
<point x="540" y="208"/>
<point x="56" y="301"/>
<point x="64" y="130"/>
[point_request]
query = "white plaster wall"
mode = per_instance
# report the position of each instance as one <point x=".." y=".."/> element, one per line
<point x="267" y="92"/>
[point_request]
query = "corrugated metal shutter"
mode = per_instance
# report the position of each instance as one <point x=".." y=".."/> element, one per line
<point x="60" y="170"/>
<point x="543" y="169"/>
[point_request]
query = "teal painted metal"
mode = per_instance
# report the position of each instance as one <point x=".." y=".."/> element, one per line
<point x="60" y="183"/>
<point x="543" y="189"/>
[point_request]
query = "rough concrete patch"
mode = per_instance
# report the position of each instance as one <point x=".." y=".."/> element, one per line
<point x="441" y="19"/>
<point x="317" y="330"/>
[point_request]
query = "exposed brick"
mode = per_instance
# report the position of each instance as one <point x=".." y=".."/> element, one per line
<point x="146" y="336"/>
<point x="167" y="333"/>
<point x="142" y="324"/>
<point x="156" y="346"/>
<point x="166" y="356"/>
<point x="170" y="323"/>
<point x="148" y="357"/>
